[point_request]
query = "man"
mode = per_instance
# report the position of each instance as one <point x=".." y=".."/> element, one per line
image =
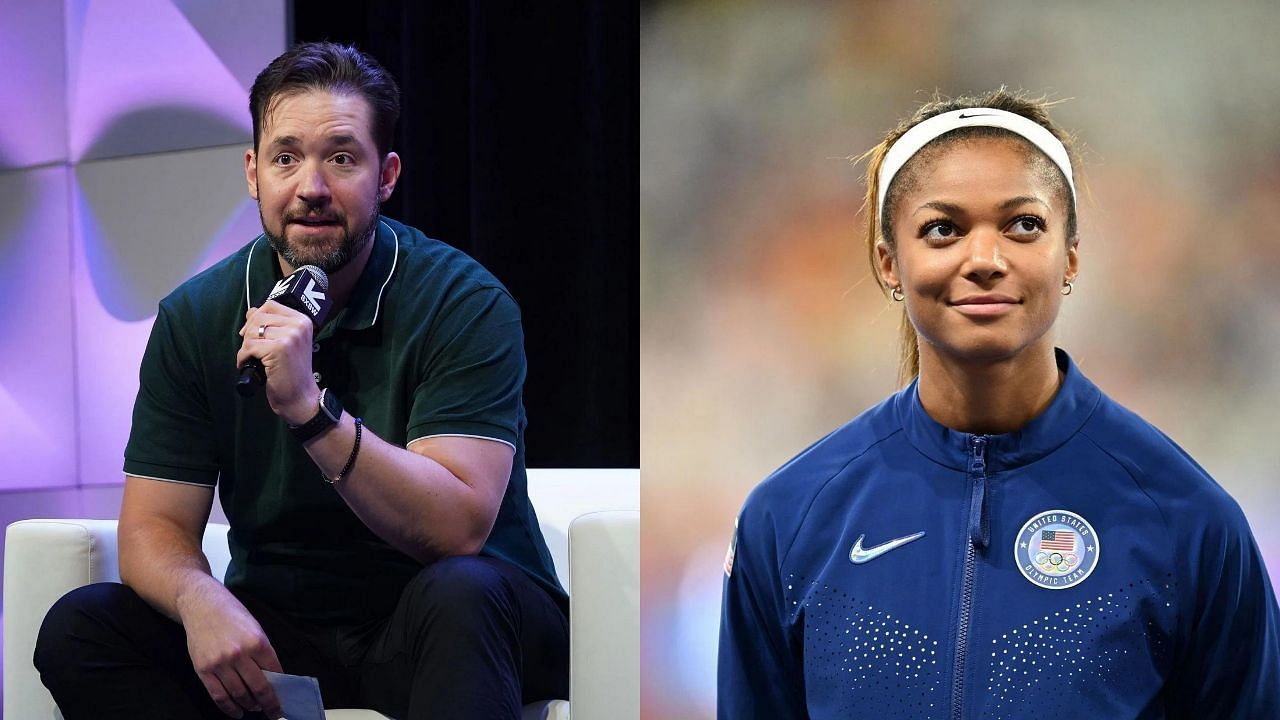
<point x="381" y="534"/>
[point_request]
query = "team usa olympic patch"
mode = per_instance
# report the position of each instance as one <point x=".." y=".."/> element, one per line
<point x="1056" y="549"/>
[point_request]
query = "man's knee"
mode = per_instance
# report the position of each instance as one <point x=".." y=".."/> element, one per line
<point x="464" y="587"/>
<point x="74" y="619"/>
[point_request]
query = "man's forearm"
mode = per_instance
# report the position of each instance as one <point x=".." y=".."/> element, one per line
<point x="413" y="502"/>
<point x="161" y="563"/>
<point x="161" y="559"/>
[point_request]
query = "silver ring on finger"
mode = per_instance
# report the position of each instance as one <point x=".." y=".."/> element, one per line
<point x="262" y="332"/>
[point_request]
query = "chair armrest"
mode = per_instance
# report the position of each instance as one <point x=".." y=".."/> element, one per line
<point x="604" y="614"/>
<point x="44" y="560"/>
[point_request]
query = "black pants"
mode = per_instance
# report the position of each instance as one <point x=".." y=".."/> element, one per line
<point x="471" y="637"/>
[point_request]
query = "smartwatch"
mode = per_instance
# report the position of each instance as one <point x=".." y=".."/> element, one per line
<point x="326" y="416"/>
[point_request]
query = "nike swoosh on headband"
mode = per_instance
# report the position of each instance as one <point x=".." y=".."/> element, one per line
<point x="858" y="555"/>
<point x="920" y="135"/>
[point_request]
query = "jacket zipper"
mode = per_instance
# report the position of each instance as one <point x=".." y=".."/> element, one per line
<point x="976" y="536"/>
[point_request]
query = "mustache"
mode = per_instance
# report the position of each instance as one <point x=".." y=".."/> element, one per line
<point x="314" y="216"/>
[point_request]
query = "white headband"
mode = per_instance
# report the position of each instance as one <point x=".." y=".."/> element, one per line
<point x="920" y="135"/>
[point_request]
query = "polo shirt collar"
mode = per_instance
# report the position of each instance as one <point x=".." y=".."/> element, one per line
<point x="365" y="305"/>
<point x="1066" y="414"/>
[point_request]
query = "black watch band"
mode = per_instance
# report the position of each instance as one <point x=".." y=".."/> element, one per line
<point x="326" y="416"/>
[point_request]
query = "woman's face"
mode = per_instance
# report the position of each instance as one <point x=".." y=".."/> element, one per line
<point x="980" y="250"/>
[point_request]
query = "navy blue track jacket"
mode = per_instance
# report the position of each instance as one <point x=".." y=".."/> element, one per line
<point x="1084" y="566"/>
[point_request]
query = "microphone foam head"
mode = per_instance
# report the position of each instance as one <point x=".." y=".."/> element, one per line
<point x="322" y="280"/>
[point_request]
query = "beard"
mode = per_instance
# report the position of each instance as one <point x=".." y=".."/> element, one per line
<point x="331" y="258"/>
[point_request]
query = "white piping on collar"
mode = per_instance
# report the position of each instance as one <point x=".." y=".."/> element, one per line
<point x="248" y="302"/>
<point x="378" y="308"/>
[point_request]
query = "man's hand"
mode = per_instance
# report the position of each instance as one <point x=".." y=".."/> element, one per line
<point x="229" y="651"/>
<point x="284" y="349"/>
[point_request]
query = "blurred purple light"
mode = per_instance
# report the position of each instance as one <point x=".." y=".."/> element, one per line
<point x="143" y="54"/>
<point x="33" y="126"/>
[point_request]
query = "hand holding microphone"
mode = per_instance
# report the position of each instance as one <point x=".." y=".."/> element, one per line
<point x="278" y="339"/>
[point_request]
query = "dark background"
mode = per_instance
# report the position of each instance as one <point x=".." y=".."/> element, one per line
<point x="520" y="144"/>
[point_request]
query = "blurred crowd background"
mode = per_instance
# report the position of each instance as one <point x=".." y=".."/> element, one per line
<point x="762" y="329"/>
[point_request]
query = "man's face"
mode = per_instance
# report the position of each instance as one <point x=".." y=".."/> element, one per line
<point x="318" y="178"/>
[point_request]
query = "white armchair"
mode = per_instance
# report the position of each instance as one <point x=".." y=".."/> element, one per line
<point x="591" y="521"/>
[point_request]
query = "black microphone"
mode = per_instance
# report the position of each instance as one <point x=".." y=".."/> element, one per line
<point x="307" y="291"/>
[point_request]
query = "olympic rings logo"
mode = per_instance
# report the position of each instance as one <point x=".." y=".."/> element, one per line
<point x="1056" y="563"/>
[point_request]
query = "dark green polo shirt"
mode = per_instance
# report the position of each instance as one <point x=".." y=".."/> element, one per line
<point x="429" y="344"/>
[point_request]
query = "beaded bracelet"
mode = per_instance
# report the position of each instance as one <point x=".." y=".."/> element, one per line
<point x="351" y="461"/>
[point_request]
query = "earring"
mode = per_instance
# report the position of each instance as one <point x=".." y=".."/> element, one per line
<point x="897" y="295"/>
<point x="1066" y="287"/>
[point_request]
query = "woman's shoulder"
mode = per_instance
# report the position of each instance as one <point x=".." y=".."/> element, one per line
<point x="1158" y="465"/>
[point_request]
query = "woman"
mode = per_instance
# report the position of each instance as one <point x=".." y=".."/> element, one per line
<point x="999" y="539"/>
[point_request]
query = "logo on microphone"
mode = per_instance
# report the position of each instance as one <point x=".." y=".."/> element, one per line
<point x="281" y="288"/>
<point x="312" y="297"/>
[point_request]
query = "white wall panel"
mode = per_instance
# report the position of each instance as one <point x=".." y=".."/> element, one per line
<point x="37" y="382"/>
<point x="142" y="226"/>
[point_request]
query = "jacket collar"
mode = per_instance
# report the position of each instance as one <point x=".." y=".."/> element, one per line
<point x="1066" y="414"/>
<point x="365" y="305"/>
